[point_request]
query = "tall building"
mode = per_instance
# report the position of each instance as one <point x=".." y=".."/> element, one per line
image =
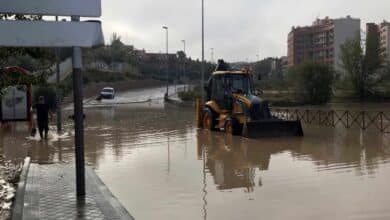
<point x="321" y="41"/>
<point x="384" y="30"/>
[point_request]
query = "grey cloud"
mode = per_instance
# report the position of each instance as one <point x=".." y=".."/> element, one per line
<point x="237" y="29"/>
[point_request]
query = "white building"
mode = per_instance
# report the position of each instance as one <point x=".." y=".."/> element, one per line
<point x="344" y="29"/>
<point x="321" y="41"/>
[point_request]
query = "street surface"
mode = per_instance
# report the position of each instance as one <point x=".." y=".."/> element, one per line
<point x="159" y="166"/>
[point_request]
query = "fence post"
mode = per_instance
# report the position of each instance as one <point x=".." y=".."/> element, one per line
<point x="319" y="117"/>
<point x="333" y="123"/>
<point x="307" y="116"/>
<point x="381" y="118"/>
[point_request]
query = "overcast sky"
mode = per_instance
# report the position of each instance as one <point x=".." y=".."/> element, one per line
<point x="237" y="29"/>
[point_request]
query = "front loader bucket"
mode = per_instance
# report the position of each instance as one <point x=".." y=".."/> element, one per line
<point x="272" y="128"/>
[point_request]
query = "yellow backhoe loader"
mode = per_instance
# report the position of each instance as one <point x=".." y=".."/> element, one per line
<point x="232" y="105"/>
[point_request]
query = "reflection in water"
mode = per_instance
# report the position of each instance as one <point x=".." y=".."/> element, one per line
<point x="232" y="161"/>
<point x="159" y="165"/>
<point x="228" y="162"/>
<point x="236" y="163"/>
<point x="204" y="183"/>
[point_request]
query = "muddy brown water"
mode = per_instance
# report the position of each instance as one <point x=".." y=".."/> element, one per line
<point x="160" y="166"/>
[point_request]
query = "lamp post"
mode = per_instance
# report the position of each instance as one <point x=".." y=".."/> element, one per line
<point x="166" y="29"/>
<point x="202" y="66"/>
<point x="185" y="60"/>
<point x="212" y="55"/>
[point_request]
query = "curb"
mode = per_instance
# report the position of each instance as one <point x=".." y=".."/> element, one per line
<point x="17" y="211"/>
<point x="179" y="103"/>
<point x="107" y="194"/>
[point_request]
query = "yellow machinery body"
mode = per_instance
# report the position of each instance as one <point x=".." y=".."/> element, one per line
<point x="232" y="106"/>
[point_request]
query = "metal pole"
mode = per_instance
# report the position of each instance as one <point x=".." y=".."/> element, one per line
<point x="59" y="115"/>
<point x="202" y="66"/>
<point x="185" y="60"/>
<point x="78" y="118"/>
<point x="212" y="55"/>
<point x="167" y="57"/>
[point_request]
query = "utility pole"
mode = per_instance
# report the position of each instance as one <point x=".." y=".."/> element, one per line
<point x="185" y="60"/>
<point x="202" y="66"/>
<point x="167" y="70"/>
<point x="59" y="113"/>
<point x="78" y="118"/>
<point x="212" y="55"/>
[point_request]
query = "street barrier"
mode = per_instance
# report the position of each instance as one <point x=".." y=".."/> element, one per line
<point x="379" y="120"/>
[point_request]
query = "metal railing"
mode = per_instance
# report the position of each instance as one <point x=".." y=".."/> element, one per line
<point x="363" y="119"/>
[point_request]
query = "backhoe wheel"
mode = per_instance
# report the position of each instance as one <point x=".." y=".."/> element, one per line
<point x="208" y="119"/>
<point x="233" y="127"/>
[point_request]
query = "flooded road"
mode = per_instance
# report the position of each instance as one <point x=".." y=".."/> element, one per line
<point x="160" y="166"/>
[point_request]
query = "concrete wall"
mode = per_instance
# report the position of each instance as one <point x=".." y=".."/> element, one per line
<point x="344" y="28"/>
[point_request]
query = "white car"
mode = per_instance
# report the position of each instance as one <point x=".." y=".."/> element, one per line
<point x="107" y="93"/>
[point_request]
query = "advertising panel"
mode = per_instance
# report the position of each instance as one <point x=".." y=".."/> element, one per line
<point x="14" y="104"/>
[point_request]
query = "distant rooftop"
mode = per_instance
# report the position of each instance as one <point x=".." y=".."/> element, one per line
<point x="323" y="22"/>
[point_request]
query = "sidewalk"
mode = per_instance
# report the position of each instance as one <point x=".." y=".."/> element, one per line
<point x="50" y="194"/>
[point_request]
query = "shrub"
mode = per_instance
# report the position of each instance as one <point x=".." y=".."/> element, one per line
<point x="190" y="95"/>
<point x="312" y="82"/>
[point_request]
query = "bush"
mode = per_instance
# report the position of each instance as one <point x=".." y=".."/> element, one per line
<point x="312" y="82"/>
<point x="190" y="95"/>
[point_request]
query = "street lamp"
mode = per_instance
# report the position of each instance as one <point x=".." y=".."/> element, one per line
<point x="202" y="66"/>
<point x="185" y="60"/>
<point x="212" y="55"/>
<point x="166" y="29"/>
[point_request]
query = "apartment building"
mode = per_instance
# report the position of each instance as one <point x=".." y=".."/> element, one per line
<point x="384" y="31"/>
<point x="321" y="41"/>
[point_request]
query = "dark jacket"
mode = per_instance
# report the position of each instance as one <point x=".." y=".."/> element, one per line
<point x="42" y="112"/>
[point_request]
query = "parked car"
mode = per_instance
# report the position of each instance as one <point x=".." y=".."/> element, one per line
<point x="107" y="93"/>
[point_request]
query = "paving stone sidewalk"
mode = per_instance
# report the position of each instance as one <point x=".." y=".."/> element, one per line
<point x="50" y="194"/>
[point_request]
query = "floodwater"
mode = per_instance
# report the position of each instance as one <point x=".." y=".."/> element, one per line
<point x="160" y="166"/>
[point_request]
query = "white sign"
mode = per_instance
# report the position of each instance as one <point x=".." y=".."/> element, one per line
<point x="50" y="34"/>
<point x="14" y="104"/>
<point x="83" y="8"/>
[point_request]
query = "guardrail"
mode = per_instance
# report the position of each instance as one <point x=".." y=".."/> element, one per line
<point x="363" y="119"/>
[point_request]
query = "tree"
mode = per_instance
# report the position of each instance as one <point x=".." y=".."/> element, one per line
<point x="373" y="59"/>
<point x="181" y="55"/>
<point x="32" y="59"/>
<point x="312" y="82"/>
<point x="118" y="49"/>
<point x="363" y="69"/>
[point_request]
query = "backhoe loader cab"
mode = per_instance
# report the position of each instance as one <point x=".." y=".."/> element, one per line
<point x="231" y="105"/>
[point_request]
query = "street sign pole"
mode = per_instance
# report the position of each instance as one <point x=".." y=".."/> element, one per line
<point x="78" y="118"/>
<point x="49" y="34"/>
<point x="59" y="113"/>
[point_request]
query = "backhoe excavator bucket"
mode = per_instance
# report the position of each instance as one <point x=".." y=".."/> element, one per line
<point x="272" y="128"/>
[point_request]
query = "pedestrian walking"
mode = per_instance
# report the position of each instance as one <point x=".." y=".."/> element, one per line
<point x="42" y="110"/>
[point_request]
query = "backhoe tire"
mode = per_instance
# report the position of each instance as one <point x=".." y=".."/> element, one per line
<point x="233" y="127"/>
<point x="209" y="119"/>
